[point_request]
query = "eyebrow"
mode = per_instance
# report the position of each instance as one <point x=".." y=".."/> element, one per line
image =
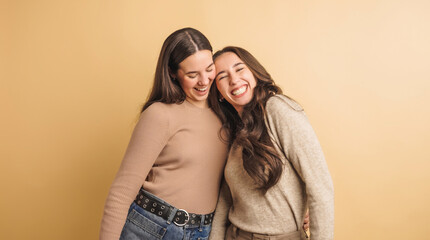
<point x="219" y="74"/>
<point x="235" y="65"/>
<point x="191" y="72"/>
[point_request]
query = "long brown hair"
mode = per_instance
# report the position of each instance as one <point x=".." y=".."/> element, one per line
<point x="260" y="158"/>
<point x="177" y="46"/>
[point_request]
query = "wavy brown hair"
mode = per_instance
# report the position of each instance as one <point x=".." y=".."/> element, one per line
<point x="260" y="158"/>
<point x="177" y="46"/>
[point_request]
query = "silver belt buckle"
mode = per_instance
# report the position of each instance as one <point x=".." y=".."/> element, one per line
<point x="186" y="220"/>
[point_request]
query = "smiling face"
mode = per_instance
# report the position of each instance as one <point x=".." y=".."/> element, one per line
<point x="234" y="80"/>
<point x="195" y="75"/>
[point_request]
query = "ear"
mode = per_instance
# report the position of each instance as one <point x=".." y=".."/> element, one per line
<point x="171" y="74"/>
<point x="220" y="97"/>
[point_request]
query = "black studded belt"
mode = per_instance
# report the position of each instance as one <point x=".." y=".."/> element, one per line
<point x="164" y="210"/>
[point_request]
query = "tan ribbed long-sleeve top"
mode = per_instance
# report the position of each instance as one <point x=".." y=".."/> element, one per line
<point x="175" y="152"/>
<point x="305" y="182"/>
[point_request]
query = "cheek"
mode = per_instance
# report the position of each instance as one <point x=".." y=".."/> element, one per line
<point x="252" y="80"/>
<point x="211" y="75"/>
<point x="221" y="88"/>
<point x="186" y="83"/>
<point x="254" y="83"/>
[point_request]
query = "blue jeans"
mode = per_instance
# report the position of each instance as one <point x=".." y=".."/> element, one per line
<point x="141" y="224"/>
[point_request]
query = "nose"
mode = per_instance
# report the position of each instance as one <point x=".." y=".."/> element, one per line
<point x="205" y="79"/>
<point x="234" y="78"/>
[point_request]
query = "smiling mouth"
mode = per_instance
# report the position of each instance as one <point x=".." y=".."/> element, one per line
<point x="239" y="90"/>
<point x="202" y="89"/>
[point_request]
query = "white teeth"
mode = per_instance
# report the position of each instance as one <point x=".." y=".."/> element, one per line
<point x="239" y="91"/>
<point x="202" y="89"/>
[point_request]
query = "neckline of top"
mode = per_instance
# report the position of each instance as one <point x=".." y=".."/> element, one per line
<point x="190" y="105"/>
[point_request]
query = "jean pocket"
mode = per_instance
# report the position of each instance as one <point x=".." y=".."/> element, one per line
<point x="138" y="226"/>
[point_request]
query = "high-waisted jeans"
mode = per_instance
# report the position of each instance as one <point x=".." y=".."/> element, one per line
<point x="141" y="224"/>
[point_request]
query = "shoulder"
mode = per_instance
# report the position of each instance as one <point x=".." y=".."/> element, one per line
<point x="156" y="111"/>
<point x="284" y="112"/>
<point x="160" y="108"/>
<point x="156" y="106"/>
<point x="284" y="115"/>
<point x="282" y="103"/>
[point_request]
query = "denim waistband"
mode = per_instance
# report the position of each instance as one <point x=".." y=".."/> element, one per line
<point x="161" y="208"/>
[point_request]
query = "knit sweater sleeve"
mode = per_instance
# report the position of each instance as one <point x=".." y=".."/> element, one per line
<point x="220" y="222"/>
<point x="296" y="138"/>
<point x="148" y="139"/>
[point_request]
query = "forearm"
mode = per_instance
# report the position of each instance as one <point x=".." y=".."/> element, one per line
<point x="220" y="222"/>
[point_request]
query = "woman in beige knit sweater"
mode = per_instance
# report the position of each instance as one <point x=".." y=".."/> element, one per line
<point x="276" y="168"/>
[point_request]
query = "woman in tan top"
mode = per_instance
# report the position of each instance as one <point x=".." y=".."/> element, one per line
<point x="175" y="152"/>
<point x="276" y="168"/>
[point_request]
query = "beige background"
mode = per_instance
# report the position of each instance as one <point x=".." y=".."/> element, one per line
<point x="75" y="73"/>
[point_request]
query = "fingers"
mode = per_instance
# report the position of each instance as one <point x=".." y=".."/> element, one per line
<point x="306" y="226"/>
<point x="306" y="222"/>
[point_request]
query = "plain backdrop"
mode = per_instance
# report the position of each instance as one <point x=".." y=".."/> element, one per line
<point x="74" y="74"/>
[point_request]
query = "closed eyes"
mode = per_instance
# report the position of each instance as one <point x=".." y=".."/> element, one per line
<point x="193" y="75"/>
